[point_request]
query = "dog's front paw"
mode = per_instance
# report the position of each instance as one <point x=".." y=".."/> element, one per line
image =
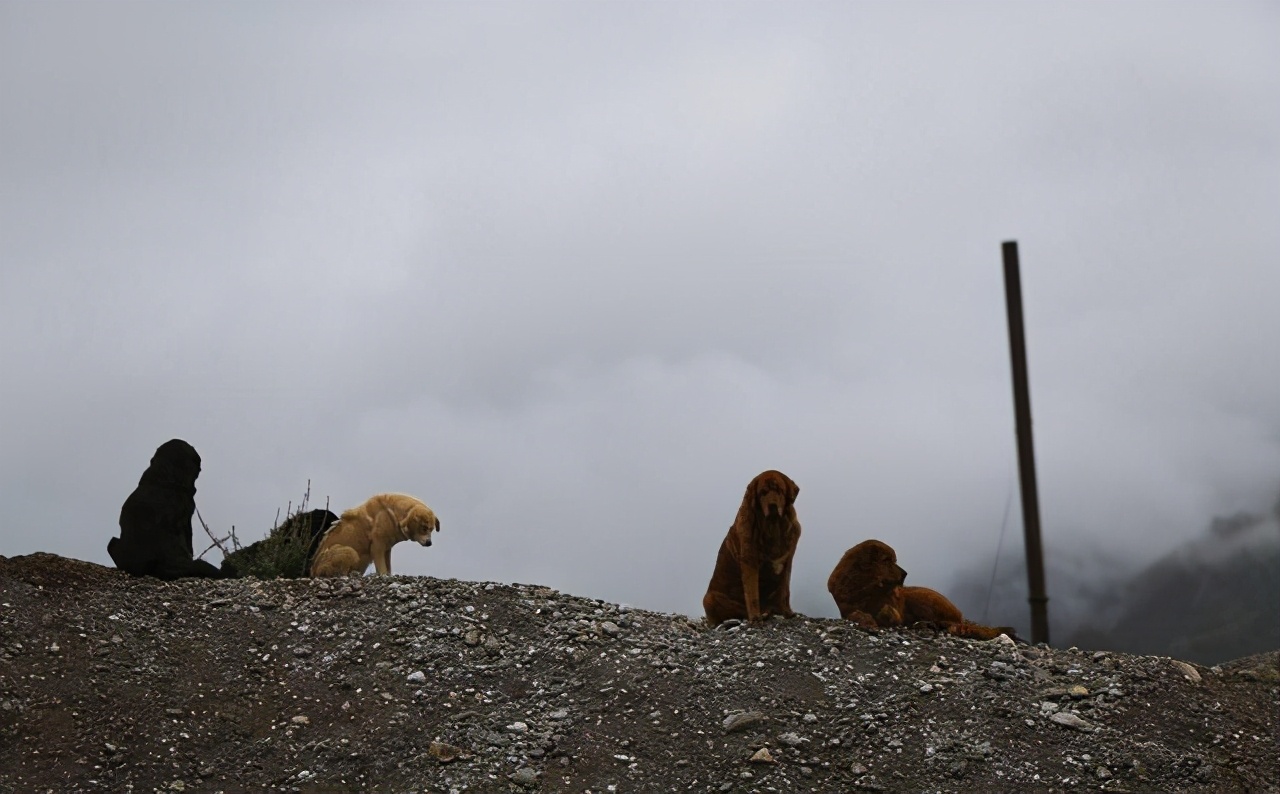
<point x="863" y="621"/>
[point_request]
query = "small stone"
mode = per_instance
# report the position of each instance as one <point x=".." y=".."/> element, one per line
<point x="610" y="628"/>
<point x="926" y="688"/>
<point x="444" y="753"/>
<point x="472" y="637"/>
<point x="417" y="677"/>
<point x="517" y="727"/>
<point x="858" y="769"/>
<point x="1191" y="673"/>
<point x="1070" y="720"/>
<point x="54" y="648"/>
<point x="559" y="714"/>
<point x="1077" y="692"/>
<point x="300" y="720"/>
<point x="524" y="776"/>
<point x="302" y="651"/>
<point x="792" y="739"/>
<point x="742" y="720"/>
<point x="763" y="756"/>
<point x="810" y="717"/>
<point x="1103" y="773"/>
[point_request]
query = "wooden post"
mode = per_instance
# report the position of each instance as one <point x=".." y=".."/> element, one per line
<point x="1026" y="451"/>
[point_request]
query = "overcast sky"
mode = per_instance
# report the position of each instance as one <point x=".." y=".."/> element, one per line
<point x="574" y="273"/>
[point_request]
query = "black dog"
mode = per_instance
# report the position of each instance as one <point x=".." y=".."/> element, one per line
<point x="155" y="521"/>
<point x="310" y="526"/>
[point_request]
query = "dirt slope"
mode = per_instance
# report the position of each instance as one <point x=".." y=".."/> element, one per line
<point x="417" y="684"/>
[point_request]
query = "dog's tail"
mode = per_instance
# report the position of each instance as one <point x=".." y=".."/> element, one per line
<point x="976" y="631"/>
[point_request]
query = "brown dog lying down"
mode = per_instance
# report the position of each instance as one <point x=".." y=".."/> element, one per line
<point x="867" y="587"/>
<point x="366" y="534"/>
<point x="752" y="577"/>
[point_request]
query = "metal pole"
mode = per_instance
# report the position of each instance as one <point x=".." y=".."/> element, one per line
<point x="1026" y="452"/>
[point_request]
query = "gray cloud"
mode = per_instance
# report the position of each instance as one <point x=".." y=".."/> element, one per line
<point x="574" y="273"/>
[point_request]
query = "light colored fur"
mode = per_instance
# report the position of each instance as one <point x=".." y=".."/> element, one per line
<point x="365" y="534"/>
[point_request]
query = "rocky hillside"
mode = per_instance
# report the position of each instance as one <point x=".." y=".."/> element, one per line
<point x="417" y="684"/>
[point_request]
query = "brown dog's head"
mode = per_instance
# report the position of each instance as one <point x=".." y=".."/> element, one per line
<point x="772" y="492"/>
<point x="418" y="524"/>
<point x="877" y="564"/>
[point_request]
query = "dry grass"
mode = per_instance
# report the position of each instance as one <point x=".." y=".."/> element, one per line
<point x="282" y="554"/>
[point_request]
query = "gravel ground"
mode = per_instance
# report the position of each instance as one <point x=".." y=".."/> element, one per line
<point x="417" y="684"/>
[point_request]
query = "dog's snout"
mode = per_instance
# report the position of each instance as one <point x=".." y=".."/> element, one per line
<point x="426" y="541"/>
<point x="902" y="575"/>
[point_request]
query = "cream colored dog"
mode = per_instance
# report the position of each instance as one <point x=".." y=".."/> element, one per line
<point x="365" y="534"/>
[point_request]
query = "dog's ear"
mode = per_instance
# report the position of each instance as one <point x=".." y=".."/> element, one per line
<point x="437" y="524"/>
<point x="752" y="493"/>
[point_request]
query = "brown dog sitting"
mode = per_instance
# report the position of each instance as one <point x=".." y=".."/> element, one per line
<point x="365" y="534"/>
<point x="752" y="578"/>
<point x="867" y="587"/>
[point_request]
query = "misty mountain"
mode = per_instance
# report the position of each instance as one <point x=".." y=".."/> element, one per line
<point x="1213" y="598"/>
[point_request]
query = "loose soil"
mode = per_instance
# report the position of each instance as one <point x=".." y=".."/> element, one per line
<point x="114" y="683"/>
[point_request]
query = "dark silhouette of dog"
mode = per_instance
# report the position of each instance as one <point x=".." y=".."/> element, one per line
<point x="309" y="527"/>
<point x="752" y="577"/>
<point x="155" y="521"/>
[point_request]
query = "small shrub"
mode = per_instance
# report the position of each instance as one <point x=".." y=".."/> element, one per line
<point x="286" y="550"/>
